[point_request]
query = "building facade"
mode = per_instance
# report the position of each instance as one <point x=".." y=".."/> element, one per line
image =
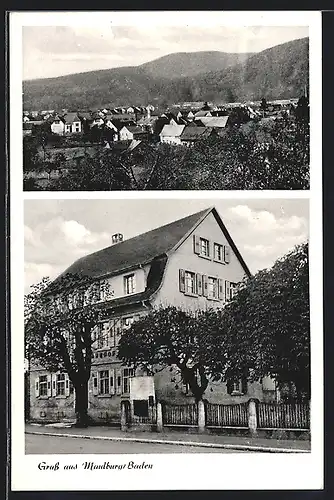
<point x="192" y="263"/>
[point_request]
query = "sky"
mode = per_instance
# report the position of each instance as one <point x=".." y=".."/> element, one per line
<point x="50" y="51"/>
<point x="57" y="232"/>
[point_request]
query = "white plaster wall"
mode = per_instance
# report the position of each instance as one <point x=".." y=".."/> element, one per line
<point x="185" y="258"/>
<point x="116" y="283"/>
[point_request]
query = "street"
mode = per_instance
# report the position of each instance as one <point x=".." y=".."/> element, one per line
<point x="57" y="445"/>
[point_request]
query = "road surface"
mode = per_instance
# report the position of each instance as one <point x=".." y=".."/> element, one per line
<point x="36" y="444"/>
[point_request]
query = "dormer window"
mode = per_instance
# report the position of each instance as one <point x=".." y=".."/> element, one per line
<point x="129" y="284"/>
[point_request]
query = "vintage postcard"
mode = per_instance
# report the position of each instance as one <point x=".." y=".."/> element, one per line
<point x="166" y="250"/>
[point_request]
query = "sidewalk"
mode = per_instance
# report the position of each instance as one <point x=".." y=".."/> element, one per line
<point x="203" y="440"/>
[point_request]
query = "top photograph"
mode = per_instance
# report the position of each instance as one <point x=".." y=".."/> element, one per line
<point x="149" y="107"/>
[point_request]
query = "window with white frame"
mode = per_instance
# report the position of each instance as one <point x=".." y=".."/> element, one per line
<point x="237" y="387"/>
<point x="127" y="322"/>
<point x="127" y="374"/>
<point x="129" y="284"/>
<point x="212" y="288"/>
<point x="68" y="128"/>
<point x="190" y="282"/>
<point x="60" y="384"/>
<point x="218" y="252"/>
<point x="104" y="382"/>
<point x="43" y="385"/>
<point x="204" y="247"/>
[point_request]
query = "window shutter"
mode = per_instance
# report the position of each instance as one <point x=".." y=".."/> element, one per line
<point x="227" y="290"/>
<point x="199" y="284"/>
<point x="67" y="385"/>
<point x="182" y="281"/>
<point x="53" y="384"/>
<point x="226" y="254"/>
<point x="37" y="387"/>
<point x="95" y="384"/>
<point x="111" y="381"/>
<point x="205" y="285"/>
<point x="196" y="244"/>
<point x="244" y="385"/>
<point x="119" y="382"/>
<point x="220" y="289"/>
<point x="49" y="390"/>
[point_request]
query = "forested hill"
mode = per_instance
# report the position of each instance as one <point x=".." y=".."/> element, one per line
<point x="278" y="72"/>
<point x="183" y="64"/>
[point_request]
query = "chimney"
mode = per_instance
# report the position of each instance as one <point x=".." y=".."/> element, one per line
<point x="116" y="238"/>
<point x="148" y="112"/>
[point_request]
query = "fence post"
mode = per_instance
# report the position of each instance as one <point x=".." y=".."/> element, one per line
<point x="252" y="417"/>
<point x="123" y="416"/>
<point x="159" y="417"/>
<point x="201" y="416"/>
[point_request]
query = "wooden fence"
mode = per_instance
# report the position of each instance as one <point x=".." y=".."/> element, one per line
<point x="180" y="415"/>
<point x="283" y="416"/>
<point x="218" y="415"/>
<point x="251" y="415"/>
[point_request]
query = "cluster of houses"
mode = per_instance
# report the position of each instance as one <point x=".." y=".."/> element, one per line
<point x="184" y="124"/>
<point x="191" y="263"/>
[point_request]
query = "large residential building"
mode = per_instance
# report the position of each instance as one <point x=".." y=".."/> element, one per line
<point x="192" y="263"/>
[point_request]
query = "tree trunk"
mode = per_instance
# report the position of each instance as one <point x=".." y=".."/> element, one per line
<point x="189" y="376"/>
<point x="81" y="405"/>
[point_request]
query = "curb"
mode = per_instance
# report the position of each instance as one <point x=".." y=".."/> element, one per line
<point x="265" y="449"/>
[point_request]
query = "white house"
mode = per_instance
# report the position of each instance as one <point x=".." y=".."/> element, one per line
<point x="130" y="132"/>
<point x="191" y="263"/>
<point x="171" y="134"/>
<point x="72" y="123"/>
<point x="58" y="125"/>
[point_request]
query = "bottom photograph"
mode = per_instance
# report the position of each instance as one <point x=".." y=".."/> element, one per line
<point x="166" y="326"/>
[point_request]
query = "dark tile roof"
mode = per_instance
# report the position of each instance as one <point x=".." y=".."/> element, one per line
<point x="193" y="133"/>
<point x="134" y="251"/>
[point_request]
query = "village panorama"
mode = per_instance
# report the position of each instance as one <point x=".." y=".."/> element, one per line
<point x="203" y="120"/>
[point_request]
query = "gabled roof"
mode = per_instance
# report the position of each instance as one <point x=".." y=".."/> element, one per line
<point x="71" y="117"/>
<point x="202" y="113"/>
<point x="134" y="129"/>
<point x="192" y="133"/>
<point x="215" y="121"/>
<point x="145" y="248"/>
<point x="135" y="251"/>
<point x="172" y="130"/>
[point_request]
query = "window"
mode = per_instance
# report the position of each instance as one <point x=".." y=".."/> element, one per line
<point x="218" y="252"/>
<point x="104" y="335"/>
<point x="127" y="374"/>
<point x="238" y="387"/>
<point x="43" y="385"/>
<point x="204" y="247"/>
<point x="127" y="322"/>
<point x="190" y="286"/>
<point x="129" y="284"/>
<point x="104" y="382"/>
<point x="212" y="288"/>
<point x="68" y="128"/>
<point x="60" y="384"/>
